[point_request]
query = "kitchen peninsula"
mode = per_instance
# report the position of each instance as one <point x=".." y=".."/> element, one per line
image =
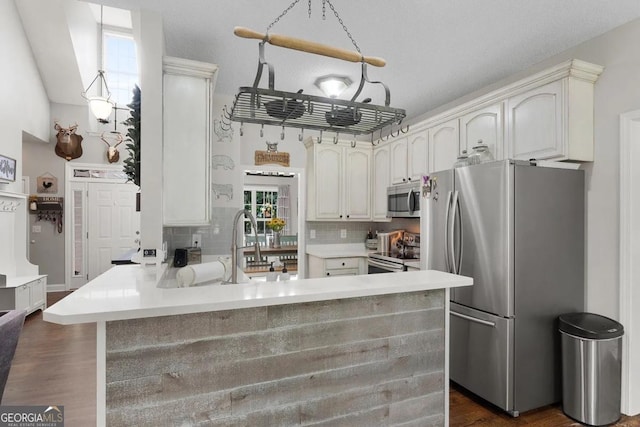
<point x="356" y="350"/>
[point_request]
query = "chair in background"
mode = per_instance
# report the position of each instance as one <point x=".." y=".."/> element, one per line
<point x="10" y="327"/>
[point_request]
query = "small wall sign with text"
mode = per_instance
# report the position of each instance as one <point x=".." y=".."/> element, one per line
<point x="7" y="168"/>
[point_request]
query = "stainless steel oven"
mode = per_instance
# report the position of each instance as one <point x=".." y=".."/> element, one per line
<point x="403" y="200"/>
<point x="377" y="265"/>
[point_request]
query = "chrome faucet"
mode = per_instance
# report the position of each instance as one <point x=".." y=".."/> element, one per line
<point x="234" y="242"/>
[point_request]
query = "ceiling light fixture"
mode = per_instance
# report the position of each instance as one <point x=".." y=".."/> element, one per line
<point x="100" y="105"/>
<point x="333" y="85"/>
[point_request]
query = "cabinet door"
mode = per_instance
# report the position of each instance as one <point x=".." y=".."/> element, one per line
<point x="483" y="126"/>
<point x="444" y="141"/>
<point x="357" y="195"/>
<point x="37" y="295"/>
<point x="22" y="297"/>
<point x="380" y="182"/>
<point x="328" y="182"/>
<point x="418" y="155"/>
<point x="399" y="161"/>
<point x="534" y="126"/>
<point x="187" y="118"/>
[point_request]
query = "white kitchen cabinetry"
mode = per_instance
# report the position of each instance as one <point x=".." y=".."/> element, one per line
<point x="483" y="126"/>
<point x="332" y="267"/>
<point x="29" y="296"/>
<point x="339" y="183"/>
<point x="444" y="141"/>
<point x="381" y="180"/>
<point x="409" y="157"/>
<point x="555" y="120"/>
<point x="187" y="119"/>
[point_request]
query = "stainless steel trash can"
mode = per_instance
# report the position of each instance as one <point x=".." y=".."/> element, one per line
<point x="591" y="367"/>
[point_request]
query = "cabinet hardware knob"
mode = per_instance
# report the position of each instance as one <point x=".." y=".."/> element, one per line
<point x="343" y="264"/>
<point x="409" y="179"/>
<point x="328" y="274"/>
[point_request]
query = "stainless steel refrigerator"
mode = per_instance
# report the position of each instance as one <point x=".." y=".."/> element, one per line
<point x="518" y="230"/>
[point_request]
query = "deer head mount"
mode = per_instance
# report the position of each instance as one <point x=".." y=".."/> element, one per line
<point x="69" y="144"/>
<point x="113" y="155"/>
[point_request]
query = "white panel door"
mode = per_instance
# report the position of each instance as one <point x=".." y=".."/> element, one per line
<point x="381" y="181"/>
<point x="483" y="126"/>
<point x="398" y="161"/>
<point x="418" y="155"/>
<point x="358" y="184"/>
<point x="444" y="141"/>
<point x="113" y="224"/>
<point x="535" y="123"/>
<point x="328" y="182"/>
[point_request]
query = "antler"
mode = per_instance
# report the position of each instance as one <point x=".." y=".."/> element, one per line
<point x="105" y="141"/>
<point x="120" y="140"/>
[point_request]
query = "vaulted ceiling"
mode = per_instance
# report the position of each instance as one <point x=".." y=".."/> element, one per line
<point x="436" y="50"/>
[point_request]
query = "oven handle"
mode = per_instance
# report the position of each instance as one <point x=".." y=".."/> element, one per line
<point x="392" y="267"/>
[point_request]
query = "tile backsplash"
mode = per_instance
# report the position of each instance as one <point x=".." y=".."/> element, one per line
<point x="216" y="238"/>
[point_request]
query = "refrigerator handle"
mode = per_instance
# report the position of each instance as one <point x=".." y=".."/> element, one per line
<point x="457" y="219"/>
<point x="446" y="233"/>
<point x="451" y="224"/>
<point x="473" y="319"/>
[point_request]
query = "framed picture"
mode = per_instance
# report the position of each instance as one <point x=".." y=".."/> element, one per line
<point x="7" y="168"/>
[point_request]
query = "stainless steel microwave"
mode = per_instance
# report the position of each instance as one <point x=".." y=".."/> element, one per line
<point x="403" y="200"/>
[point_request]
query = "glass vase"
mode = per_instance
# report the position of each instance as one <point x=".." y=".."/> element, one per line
<point x="276" y="239"/>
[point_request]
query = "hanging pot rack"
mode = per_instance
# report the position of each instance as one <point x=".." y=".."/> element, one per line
<point x="268" y="106"/>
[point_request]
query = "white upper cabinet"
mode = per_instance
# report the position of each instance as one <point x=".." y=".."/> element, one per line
<point x="409" y="157"/>
<point x="339" y="181"/>
<point x="444" y="141"/>
<point x="381" y="180"/>
<point x="398" y="150"/>
<point x="187" y="118"/>
<point x="483" y="126"/>
<point x="418" y="155"/>
<point x="357" y="194"/>
<point x="535" y="123"/>
<point x="554" y="120"/>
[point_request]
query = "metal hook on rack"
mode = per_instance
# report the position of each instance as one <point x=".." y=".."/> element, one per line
<point x="262" y="130"/>
<point x="241" y="128"/>
<point x="392" y="135"/>
<point x="301" y="135"/>
<point x="319" y="139"/>
<point x="335" y="138"/>
<point x="282" y="134"/>
<point x="405" y="130"/>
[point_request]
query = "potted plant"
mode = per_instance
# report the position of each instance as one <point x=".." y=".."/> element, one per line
<point x="132" y="163"/>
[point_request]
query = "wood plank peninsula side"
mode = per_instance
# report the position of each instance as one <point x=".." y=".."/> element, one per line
<point x="359" y="350"/>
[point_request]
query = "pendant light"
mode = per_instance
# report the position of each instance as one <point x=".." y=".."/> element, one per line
<point x="100" y="105"/>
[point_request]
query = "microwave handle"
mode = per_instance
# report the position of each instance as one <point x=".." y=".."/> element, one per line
<point x="410" y="204"/>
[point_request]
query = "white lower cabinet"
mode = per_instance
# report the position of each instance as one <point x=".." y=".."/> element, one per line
<point x="332" y="267"/>
<point x="30" y="296"/>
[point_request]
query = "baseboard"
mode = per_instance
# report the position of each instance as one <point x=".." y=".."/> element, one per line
<point x="56" y="287"/>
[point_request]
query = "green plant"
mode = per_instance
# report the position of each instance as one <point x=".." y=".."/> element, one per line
<point x="132" y="163"/>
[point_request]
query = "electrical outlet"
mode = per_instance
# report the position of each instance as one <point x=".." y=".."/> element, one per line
<point x="343" y="233"/>
<point x="149" y="253"/>
<point x="312" y="234"/>
<point x="196" y="240"/>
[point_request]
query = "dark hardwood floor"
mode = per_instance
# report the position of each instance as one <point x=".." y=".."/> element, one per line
<point x="56" y="365"/>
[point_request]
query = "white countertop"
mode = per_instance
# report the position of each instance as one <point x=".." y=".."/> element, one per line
<point x="130" y="291"/>
<point x="338" y="250"/>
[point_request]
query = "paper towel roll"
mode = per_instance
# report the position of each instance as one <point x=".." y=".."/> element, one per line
<point x="198" y="273"/>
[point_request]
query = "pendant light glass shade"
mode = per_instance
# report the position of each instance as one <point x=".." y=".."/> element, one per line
<point x="101" y="107"/>
<point x="332" y="85"/>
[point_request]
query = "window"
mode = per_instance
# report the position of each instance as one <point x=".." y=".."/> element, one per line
<point x="262" y="202"/>
<point x="120" y="64"/>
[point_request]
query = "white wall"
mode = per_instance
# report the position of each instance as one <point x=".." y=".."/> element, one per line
<point x="24" y="103"/>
